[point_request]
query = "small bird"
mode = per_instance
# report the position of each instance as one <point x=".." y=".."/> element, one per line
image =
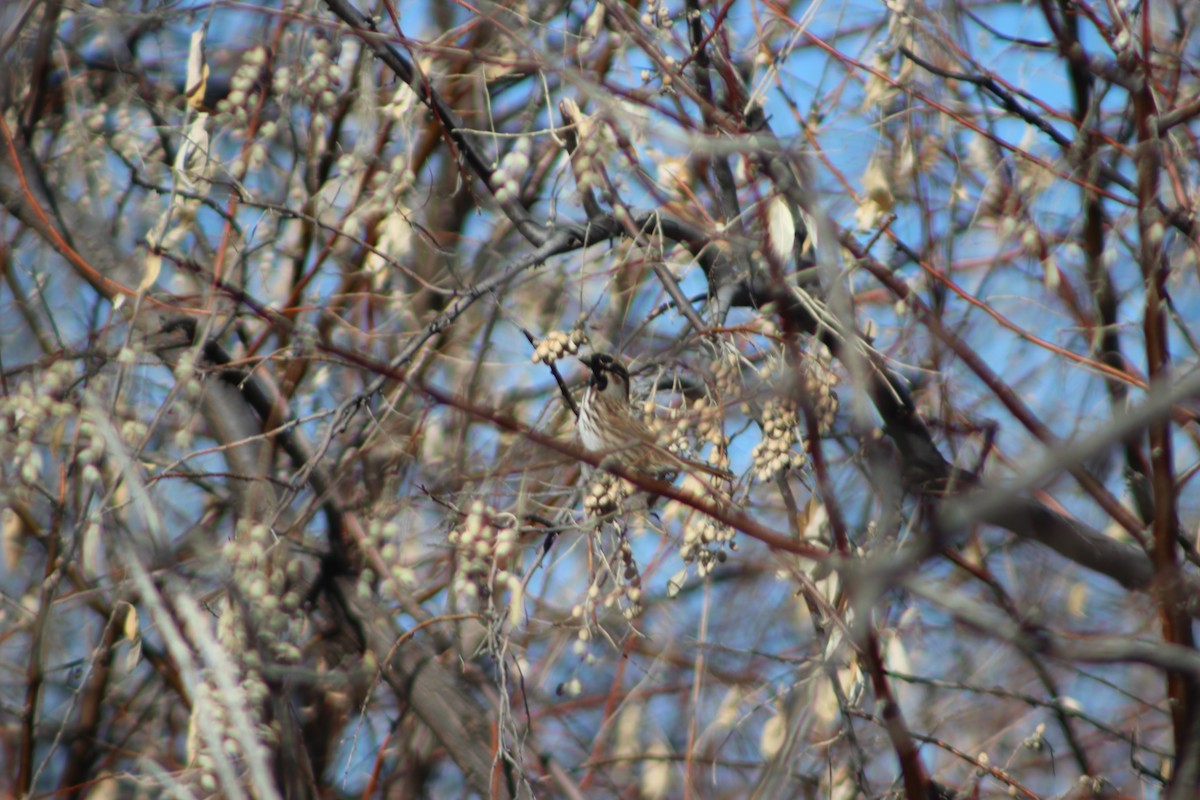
<point x="609" y="425"/>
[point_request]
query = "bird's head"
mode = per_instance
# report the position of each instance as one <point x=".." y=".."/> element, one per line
<point x="609" y="376"/>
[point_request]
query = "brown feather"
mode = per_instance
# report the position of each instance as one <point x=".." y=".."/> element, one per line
<point x="609" y="426"/>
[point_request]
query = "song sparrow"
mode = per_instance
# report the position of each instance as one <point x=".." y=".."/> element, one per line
<point x="610" y="426"/>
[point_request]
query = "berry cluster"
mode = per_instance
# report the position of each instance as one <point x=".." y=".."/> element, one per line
<point x="774" y="453"/>
<point x="483" y="545"/>
<point x="606" y="494"/>
<point x="242" y="85"/>
<point x="558" y="345"/>
<point x="817" y="380"/>
<point x="269" y="583"/>
<point x="507" y="178"/>
<point x="28" y="415"/>
<point x="318" y="83"/>
<point x="705" y="543"/>
<point x="625" y="594"/>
